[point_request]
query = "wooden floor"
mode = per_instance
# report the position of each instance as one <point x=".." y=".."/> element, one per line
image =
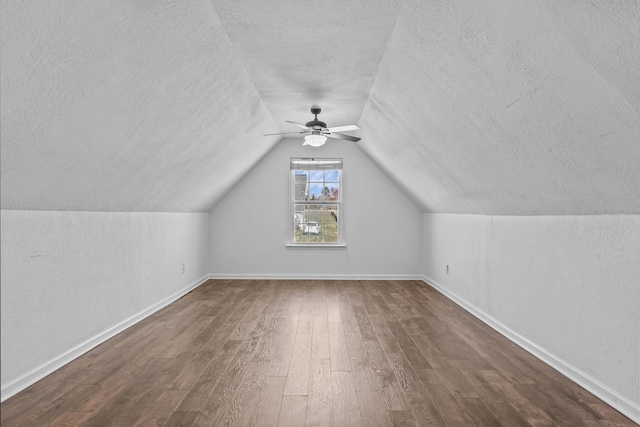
<point x="315" y="353"/>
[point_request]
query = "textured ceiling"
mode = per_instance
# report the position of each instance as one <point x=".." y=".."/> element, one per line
<point x="511" y="107"/>
<point x="302" y="52"/>
<point x="496" y="107"/>
<point x="124" y="106"/>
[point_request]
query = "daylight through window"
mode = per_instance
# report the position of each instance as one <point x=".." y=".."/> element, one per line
<point x="316" y="199"/>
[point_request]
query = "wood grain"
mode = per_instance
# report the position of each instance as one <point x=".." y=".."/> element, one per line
<point x="269" y="402"/>
<point x="315" y="353"/>
<point x="293" y="411"/>
<point x="338" y="350"/>
<point x="320" y="338"/>
<point x="320" y="402"/>
<point x="298" y="375"/>
<point x="345" y="401"/>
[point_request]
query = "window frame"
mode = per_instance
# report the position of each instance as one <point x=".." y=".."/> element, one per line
<point x="293" y="202"/>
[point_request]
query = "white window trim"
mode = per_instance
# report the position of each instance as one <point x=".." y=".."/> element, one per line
<point x="317" y="245"/>
<point x="292" y="202"/>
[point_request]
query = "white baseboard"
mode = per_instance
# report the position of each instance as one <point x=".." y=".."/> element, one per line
<point x="58" y="362"/>
<point x="316" y="276"/>
<point x="602" y="391"/>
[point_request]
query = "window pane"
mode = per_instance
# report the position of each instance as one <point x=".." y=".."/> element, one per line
<point x="330" y="214"/>
<point x="312" y="213"/>
<point x="331" y="176"/>
<point x="299" y="224"/>
<point x="317" y="176"/>
<point x="299" y="173"/>
<point x="315" y="191"/>
<point x="330" y="233"/>
<point x="300" y="189"/>
<point x="308" y="228"/>
<point x="299" y="236"/>
<point x="331" y="192"/>
<point x="330" y="224"/>
<point x="298" y="217"/>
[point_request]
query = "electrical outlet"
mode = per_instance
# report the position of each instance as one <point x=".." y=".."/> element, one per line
<point x="182" y="268"/>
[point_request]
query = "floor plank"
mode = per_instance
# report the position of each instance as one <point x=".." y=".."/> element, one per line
<point x="320" y="402"/>
<point x="363" y="375"/>
<point x="320" y="338"/>
<point x="293" y="411"/>
<point x="345" y="400"/>
<point x="338" y="351"/>
<point x="269" y="402"/>
<point x="298" y="375"/>
<point x="372" y="409"/>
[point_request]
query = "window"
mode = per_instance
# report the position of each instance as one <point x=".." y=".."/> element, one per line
<point x="316" y="200"/>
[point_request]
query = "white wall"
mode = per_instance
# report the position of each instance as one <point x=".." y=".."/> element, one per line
<point x="566" y="287"/>
<point x="250" y="225"/>
<point x="72" y="279"/>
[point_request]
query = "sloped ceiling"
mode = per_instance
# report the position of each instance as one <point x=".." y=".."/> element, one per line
<point x="511" y="107"/>
<point x="496" y="107"/>
<point x="124" y="106"/>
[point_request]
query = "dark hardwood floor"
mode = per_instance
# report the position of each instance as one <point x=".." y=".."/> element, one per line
<point x="315" y="353"/>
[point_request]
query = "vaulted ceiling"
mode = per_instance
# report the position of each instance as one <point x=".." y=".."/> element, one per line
<point x="488" y="107"/>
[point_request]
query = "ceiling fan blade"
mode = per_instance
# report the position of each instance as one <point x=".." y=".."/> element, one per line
<point x="298" y="124"/>
<point x="341" y="136"/>
<point x="344" y="128"/>
<point x="285" y="133"/>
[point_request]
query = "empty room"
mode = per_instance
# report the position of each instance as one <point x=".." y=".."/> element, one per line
<point x="338" y="213"/>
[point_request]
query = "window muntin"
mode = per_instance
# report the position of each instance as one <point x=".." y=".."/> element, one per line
<point x="316" y="201"/>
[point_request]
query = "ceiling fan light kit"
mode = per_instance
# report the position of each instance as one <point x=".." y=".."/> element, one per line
<point x="314" y="140"/>
<point x="316" y="132"/>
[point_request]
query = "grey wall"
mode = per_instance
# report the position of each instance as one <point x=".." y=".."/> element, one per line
<point x="565" y="287"/>
<point x="250" y="225"/>
<point x="72" y="279"/>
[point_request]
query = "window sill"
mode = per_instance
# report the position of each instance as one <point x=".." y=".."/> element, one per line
<point x="311" y="245"/>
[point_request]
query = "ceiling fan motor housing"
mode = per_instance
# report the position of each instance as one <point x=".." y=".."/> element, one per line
<point x="315" y="123"/>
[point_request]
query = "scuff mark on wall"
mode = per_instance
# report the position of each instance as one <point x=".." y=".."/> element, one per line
<point x="526" y="95"/>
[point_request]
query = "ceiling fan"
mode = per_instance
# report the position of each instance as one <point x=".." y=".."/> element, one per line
<point x="317" y="132"/>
